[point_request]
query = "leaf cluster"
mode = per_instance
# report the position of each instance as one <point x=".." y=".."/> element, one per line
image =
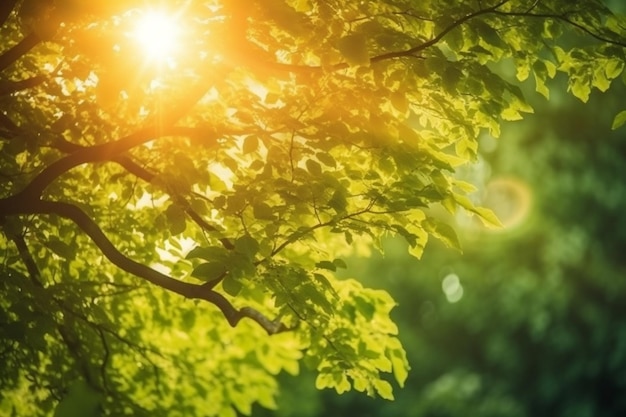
<point x="282" y="134"/>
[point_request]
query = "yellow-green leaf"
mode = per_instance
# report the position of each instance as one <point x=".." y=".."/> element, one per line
<point x="488" y="217"/>
<point x="383" y="388"/>
<point x="619" y="120"/>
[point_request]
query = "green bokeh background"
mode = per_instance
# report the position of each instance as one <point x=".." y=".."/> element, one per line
<point x="534" y="319"/>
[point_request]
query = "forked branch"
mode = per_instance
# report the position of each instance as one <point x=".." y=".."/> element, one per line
<point x="187" y="290"/>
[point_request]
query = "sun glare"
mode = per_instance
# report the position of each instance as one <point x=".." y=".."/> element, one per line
<point x="157" y="34"/>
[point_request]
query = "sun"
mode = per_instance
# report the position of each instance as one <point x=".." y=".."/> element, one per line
<point x="157" y="35"/>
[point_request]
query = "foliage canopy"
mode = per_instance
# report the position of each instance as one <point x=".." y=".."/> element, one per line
<point x="533" y="322"/>
<point x="145" y="198"/>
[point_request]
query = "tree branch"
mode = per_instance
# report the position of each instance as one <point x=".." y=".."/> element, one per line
<point x="414" y="50"/>
<point x="8" y="124"/>
<point x="411" y="52"/>
<point x="187" y="290"/>
<point x="27" y="258"/>
<point x="98" y="153"/>
<point x="68" y="335"/>
<point x="563" y="17"/>
<point x="140" y="172"/>
<point x="10" y="87"/>
<point x="17" y="51"/>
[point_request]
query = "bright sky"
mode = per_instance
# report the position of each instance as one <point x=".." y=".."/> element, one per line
<point x="157" y="34"/>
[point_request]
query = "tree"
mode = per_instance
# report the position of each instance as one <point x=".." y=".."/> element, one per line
<point x="165" y="207"/>
<point x="528" y="320"/>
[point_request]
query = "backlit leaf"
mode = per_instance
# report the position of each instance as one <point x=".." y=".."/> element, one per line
<point x="619" y="120"/>
<point x="383" y="388"/>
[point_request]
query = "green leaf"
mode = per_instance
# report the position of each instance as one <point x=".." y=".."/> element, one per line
<point x="340" y="263"/>
<point x="188" y="318"/>
<point x="444" y="233"/>
<point x="360" y="384"/>
<point x="231" y="285"/>
<point x="228" y="411"/>
<point x="326" y="265"/>
<point x="81" y="401"/>
<point x="487" y="33"/>
<point x="60" y="248"/>
<point x="176" y="219"/>
<point x="354" y="49"/>
<point x="580" y="88"/>
<point x="314" y="167"/>
<point x="242" y="403"/>
<point x="209" y="271"/>
<point x="262" y="211"/>
<point x="338" y="201"/>
<point x="614" y="68"/>
<point x="600" y="80"/>
<point x="210" y="253"/>
<point x="247" y="245"/>
<point x="540" y="72"/>
<point x="488" y="217"/>
<point x="399" y="101"/>
<point x="400" y="367"/>
<point x="522" y="69"/>
<point x="324" y="380"/>
<point x="451" y="77"/>
<point x="216" y="183"/>
<point x="416" y="250"/>
<point x="327" y="159"/>
<point x="383" y="388"/>
<point x="365" y="307"/>
<point x="250" y="144"/>
<point x="235" y="203"/>
<point x="619" y="120"/>
<point x="323" y="281"/>
<point x="341" y="383"/>
<point x="241" y="265"/>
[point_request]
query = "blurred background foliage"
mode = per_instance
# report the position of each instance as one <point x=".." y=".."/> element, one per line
<point x="529" y="320"/>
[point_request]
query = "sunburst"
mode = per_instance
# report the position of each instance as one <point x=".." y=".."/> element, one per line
<point x="157" y="35"/>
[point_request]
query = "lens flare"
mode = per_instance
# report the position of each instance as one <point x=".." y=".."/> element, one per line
<point x="157" y="35"/>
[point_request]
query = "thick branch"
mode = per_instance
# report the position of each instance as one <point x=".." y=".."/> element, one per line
<point x="161" y="124"/>
<point x="99" y="153"/>
<point x="140" y="172"/>
<point x="414" y="50"/>
<point x="17" y="51"/>
<point x="187" y="290"/>
<point x="563" y="17"/>
<point x="411" y="52"/>
<point x="10" y="87"/>
<point x="66" y="332"/>
<point x="27" y="258"/>
<point x="8" y="124"/>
